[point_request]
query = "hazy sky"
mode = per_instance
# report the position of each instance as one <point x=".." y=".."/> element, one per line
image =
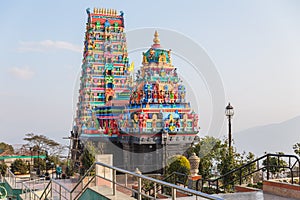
<point x="254" y="45"/>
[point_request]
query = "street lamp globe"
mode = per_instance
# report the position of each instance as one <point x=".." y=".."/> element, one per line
<point x="229" y="111"/>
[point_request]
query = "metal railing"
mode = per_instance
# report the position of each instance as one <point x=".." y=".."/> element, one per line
<point x="175" y="178"/>
<point x="12" y="180"/>
<point x="108" y="175"/>
<point x="237" y="175"/>
<point x="30" y="188"/>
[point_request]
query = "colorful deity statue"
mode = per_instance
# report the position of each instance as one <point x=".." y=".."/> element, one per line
<point x="135" y="120"/>
<point x="161" y="96"/>
<point x="109" y="94"/>
<point x="154" y="121"/>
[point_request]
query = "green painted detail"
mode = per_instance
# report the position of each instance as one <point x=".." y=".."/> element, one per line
<point x="98" y="25"/>
<point x="97" y="103"/>
<point x="3" y="192"/>
<point x="21" y="157"/>
<point x="164" y="79"/>
<point x="152" y="55"/>
<point x="122" y="98"/>
<point x="109" y="79"/>
<point x="109" y="66"/>
<point x="12" y="193"/>
<point x="91" y="194"/>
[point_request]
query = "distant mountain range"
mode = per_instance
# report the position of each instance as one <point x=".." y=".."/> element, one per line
<point x="269" y="138"/>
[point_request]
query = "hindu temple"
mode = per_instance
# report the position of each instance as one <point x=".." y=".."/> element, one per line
<point x="141" y="121"/>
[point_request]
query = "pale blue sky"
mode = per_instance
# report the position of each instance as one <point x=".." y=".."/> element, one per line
<point x="254" y="45"/>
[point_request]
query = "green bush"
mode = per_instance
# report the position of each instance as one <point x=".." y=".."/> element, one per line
<point x="250" y="185"/>
<point x="257" y="185"/>
<point x="178" y="163"/>
<point x="19" y="166"/>
<point x="260" y="183"/>
<point x="3" y="168"/>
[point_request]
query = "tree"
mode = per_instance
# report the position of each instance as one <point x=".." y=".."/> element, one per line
<point x="3" y="168"/>
<point x="19" y="166"/>
<point x="296" y="148"/>
<point x="275" y="164"/>
<point x="249" y="158"/>
<point x="88" y="156"/>
<point x="209" y="151"/>
<point x="227" y="164"/>
<point x="43" y="143"/>
<point x="217" y="159"/>
<point x="6" y="148"/>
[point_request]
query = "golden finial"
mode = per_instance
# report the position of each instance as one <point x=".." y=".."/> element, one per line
<point x="110" y="11"/>
<point x="156" y="40"/>
<point x="115" y="12"/>
<point x="94" y="10"/>
<point x="101" y="10"/>
<point x="105" y="11"/>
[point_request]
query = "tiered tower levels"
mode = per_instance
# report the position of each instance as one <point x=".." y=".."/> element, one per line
<point x="158" y="102"/>
<point x="105" y="78"/>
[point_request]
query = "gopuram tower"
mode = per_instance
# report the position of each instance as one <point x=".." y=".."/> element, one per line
<point x="105" y="80"/>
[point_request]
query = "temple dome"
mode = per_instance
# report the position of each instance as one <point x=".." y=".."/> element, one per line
<point x="156" y="53"/>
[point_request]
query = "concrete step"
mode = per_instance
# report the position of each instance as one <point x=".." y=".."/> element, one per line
<point x="108" y="192"/>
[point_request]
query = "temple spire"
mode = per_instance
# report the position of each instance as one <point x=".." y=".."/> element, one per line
<point x="156" y="40"/>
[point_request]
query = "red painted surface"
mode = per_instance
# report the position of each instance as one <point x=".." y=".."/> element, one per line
<point x="282" y="185"/>
<point x="282" y="189"/>
<point x="245" y="189"/>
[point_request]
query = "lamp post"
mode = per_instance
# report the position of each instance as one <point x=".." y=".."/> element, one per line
<point x="38" y="161"/>
<point x="52" y="165"/>
<point x="47" y="173"/>
<point x="229" y="113"/>
<point x="31" y="163"/>
<point x="28" y="165"/>
<point x="164" y="137"/>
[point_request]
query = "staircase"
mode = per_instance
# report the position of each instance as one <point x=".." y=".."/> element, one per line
<point x="101" y="179"/>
